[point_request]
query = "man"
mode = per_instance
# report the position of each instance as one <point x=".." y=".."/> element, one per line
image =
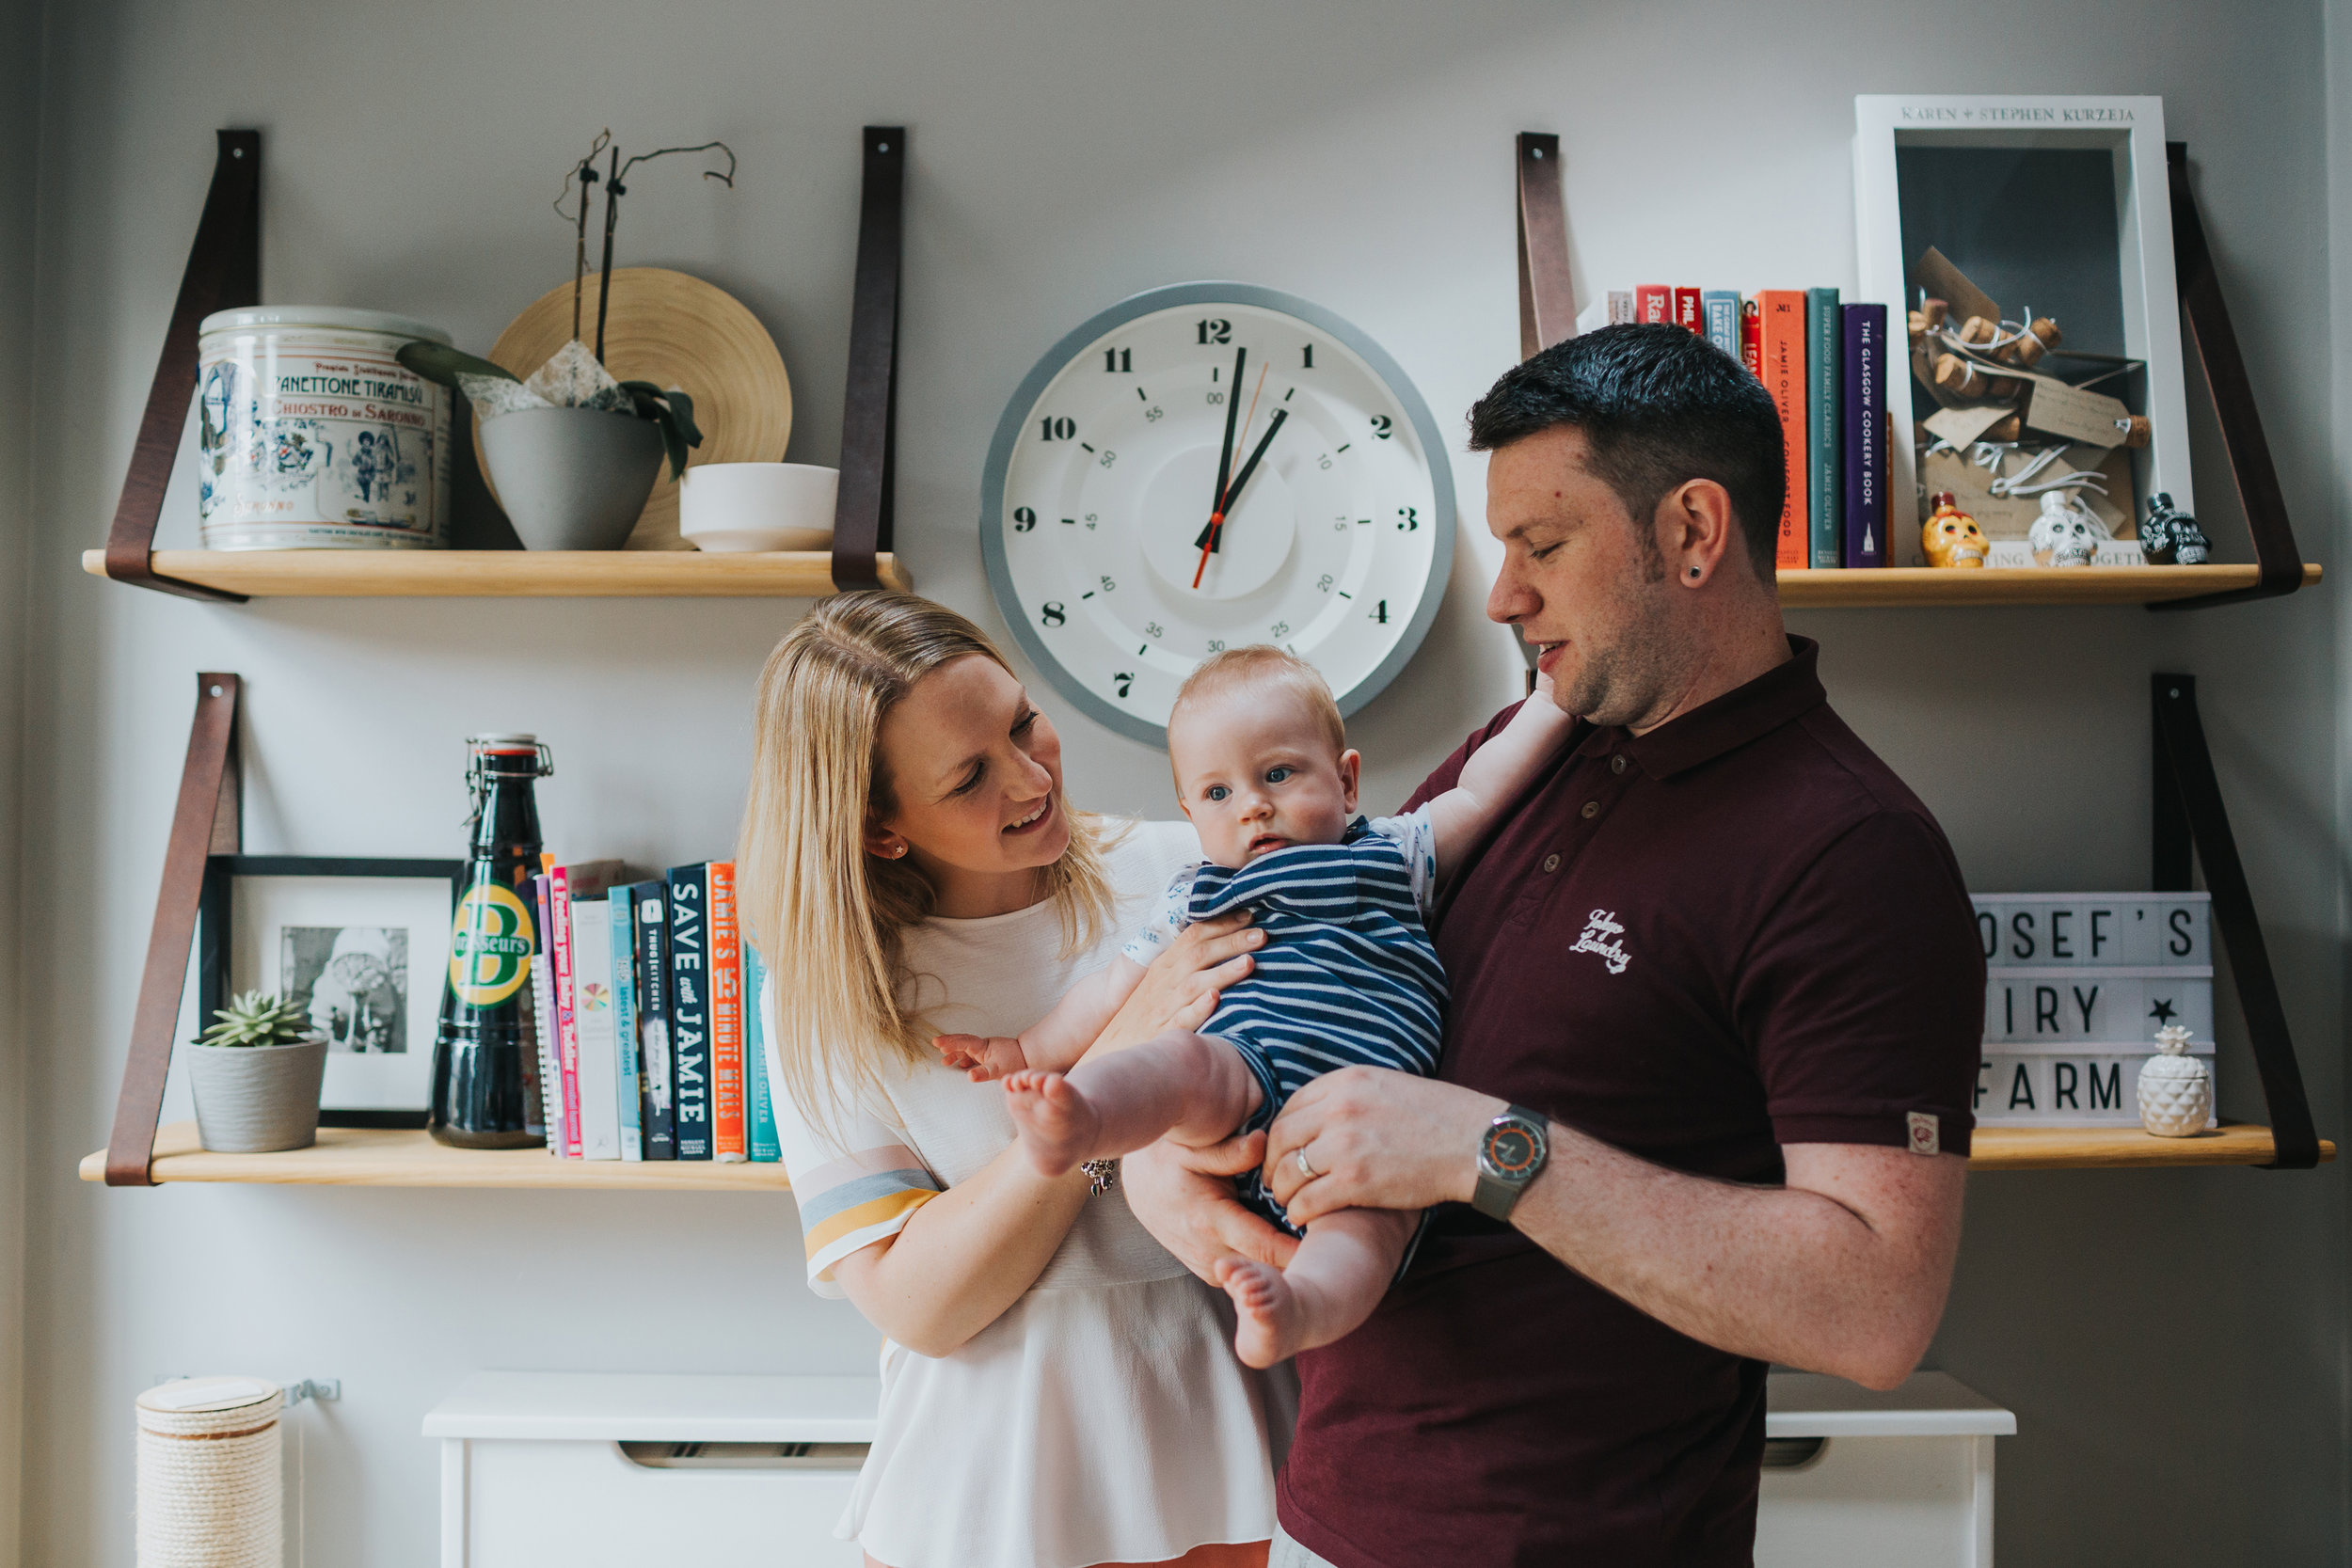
<point x="1717" y="995"/>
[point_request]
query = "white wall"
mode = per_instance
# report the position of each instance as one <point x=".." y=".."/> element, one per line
<point x="2173" y="1342"/>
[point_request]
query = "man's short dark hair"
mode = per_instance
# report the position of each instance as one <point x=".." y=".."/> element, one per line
<point x="1658" y="406"/>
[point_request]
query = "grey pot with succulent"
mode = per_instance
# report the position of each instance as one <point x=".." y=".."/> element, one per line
<point x="256" y="1073"/>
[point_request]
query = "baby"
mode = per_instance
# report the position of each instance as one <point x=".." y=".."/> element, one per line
<point x="1347" y="974"/>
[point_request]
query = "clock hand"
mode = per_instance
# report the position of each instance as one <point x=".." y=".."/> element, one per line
<point x="1232" y="406"/>
<point x="1208" y="540"/>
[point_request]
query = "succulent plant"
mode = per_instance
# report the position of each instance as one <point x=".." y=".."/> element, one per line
<point x="259" y="1018"/>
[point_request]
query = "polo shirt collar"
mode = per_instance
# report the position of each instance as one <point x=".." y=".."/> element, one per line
<point x="1784" y="693"/>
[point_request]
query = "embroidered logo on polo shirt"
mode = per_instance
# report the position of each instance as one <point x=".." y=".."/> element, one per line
<point x="1600" y="933"/>
<point x="1927" y="1133"/>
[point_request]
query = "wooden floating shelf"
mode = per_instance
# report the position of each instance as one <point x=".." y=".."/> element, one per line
<point x="358" y="1157"/>
<point x="2234" y="1143"/>
<point x="369" y="1157"/>
<point x="1891" y="586"/>
<point x="506" y="573"/>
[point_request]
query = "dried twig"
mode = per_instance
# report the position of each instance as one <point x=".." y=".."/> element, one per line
<point x="585" y="172"/>
<point x="614" y="190"/>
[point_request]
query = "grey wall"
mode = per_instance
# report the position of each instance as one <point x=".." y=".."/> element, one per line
<point x="2172" y="1341"/>
<point x="20" y="98"/>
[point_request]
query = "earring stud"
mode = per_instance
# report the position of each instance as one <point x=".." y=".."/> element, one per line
<point x="1695" y="571"/>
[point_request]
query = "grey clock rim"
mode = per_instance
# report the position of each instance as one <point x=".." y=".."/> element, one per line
<point x="1009" y="427"/>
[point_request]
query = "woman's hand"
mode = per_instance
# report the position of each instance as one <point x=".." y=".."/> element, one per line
<point x="1180" y="989"/>
<point x="1184" y="1197"/>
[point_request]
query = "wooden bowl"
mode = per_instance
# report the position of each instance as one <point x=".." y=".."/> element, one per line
<point x="672" y="330"/>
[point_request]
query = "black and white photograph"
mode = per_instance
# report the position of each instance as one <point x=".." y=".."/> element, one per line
<point x="351" y="981"/>
<point x="359" y="946"/>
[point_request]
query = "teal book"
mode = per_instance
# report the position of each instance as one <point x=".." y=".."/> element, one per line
<point x="1824" y="358"/>
<point x="629" y="1085"/>
<point x="760" y="1098"/>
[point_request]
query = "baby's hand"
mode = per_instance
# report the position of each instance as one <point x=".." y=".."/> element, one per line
<point x="982" y="1057"/>
<point x="1543" y="686"/>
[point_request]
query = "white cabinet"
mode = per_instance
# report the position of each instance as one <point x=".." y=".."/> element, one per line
<point x="1903" y="1477"/>
<point x="618" y="1470"/>
<point x="602" y="1470"/>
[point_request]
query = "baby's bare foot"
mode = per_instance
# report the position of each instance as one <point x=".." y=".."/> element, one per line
<point x="1273" y="1320"/>
<point x="1056" y="1125"/>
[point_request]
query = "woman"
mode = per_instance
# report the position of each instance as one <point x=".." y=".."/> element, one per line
<point x="1058" y="1391"/>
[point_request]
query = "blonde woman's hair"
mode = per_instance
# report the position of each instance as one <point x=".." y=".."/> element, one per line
<point x="830" y="919"/>
<point x="1262" y="664"/>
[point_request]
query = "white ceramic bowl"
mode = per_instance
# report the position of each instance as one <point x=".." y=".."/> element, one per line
<point x="757" y="506"/>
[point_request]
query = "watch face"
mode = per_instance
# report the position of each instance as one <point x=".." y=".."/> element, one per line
<point x="1207" y="466"/>
<point x="1512" y="1151"/>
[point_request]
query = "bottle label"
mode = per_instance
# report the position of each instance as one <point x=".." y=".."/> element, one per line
<point x="489" y="945"/>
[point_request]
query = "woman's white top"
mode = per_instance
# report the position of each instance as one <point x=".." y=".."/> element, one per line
<point x="1104" y="1417"/>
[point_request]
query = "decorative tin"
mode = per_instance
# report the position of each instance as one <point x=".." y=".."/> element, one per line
<point x="313" y="434"/>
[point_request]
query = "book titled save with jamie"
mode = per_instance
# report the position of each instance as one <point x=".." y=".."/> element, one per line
<point x="689" y="1007"/>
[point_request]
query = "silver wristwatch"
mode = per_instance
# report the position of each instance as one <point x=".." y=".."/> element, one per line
<point x="1510" y="1155"/>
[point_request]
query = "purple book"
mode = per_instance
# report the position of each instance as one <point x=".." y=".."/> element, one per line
<point x="1863" y="408"/>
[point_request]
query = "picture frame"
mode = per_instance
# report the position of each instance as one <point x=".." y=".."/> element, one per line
<point x="362" y="942"/>
<point x="2077" y="175"/>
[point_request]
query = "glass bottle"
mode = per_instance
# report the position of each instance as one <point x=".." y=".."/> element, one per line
<point x="485" y="1057"/>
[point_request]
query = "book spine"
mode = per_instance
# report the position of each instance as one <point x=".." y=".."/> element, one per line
<point x="1752" y="336"/>
<point x="1865" y="396"/>
<point x="599" y="1050"/>
<point x="1687" y="311"/>
<point x="566" y="1019"/>
<point x="689" y="1007"/>
<point x="1653" y="303"/>
<point x="1780" y="346"/>
<point x="549" y="1088"/>
<point x="725" y="969"/>
<point x="629" y="1076"/>
<point x="759" y="1091"/>
<point x="1620" y="307"/>
<point x="1825" y="478"/>
<point x="651" y="902"/>
<point x="1720" y="310"/>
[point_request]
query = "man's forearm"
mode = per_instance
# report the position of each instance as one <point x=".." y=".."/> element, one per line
<point x="1799" y="1274"/>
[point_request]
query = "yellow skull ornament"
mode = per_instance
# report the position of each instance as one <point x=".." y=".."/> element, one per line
<point x="1950" y="536"/>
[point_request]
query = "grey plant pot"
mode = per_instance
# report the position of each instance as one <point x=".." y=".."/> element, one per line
<point x="257" y="1099"/>
<point x="572" y="479"/>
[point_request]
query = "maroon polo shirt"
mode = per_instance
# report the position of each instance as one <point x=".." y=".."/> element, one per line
<point x="1734" y="932"/>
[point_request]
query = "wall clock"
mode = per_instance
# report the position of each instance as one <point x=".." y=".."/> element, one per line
<point x="1107" y="547"/>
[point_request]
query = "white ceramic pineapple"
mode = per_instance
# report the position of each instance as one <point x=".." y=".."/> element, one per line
<point x="2175" y="1088"/>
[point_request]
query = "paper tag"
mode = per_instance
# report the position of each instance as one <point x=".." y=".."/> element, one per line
<point x="1927" y="1133"/>
<point x="1964" y="422"/>
<point x="2003" y="553"/>
<point x="1935" y="273"/>
<point x="2074" y="414"/>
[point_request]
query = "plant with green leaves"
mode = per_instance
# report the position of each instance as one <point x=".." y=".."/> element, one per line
<point x="672" y="410"/>
<point x="259" y="1018"/>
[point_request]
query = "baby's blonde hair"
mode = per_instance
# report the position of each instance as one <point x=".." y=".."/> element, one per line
<point x="830" y="919"/>
<point x="1264" y="664"/>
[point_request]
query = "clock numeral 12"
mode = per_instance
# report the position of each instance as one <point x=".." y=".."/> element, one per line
<point x="1216" y="331"/>
<point x="1118" y="360"/>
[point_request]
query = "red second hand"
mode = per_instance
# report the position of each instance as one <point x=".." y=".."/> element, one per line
<point x="1217" y="519"/>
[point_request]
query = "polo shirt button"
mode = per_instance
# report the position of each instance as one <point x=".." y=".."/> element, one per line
<point x="1592" y="808"/>
<point x="1551" y="862"/>
<point x="1616" y="764"/>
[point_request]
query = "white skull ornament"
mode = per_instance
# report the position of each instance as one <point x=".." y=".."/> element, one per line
<point x="2065" y="534"/>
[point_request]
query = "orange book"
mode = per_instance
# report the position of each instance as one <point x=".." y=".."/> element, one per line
<point x="726" y="1017"/>
<point x="1780" y="339"/>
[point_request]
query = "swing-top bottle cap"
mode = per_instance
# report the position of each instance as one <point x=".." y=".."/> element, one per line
<point x="503" y="742"/>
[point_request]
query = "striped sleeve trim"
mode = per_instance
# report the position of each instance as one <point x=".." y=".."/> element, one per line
<point x="855" y="1202"/>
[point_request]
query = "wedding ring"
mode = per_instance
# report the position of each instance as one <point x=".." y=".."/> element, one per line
<point x="1304" y="1168"/>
